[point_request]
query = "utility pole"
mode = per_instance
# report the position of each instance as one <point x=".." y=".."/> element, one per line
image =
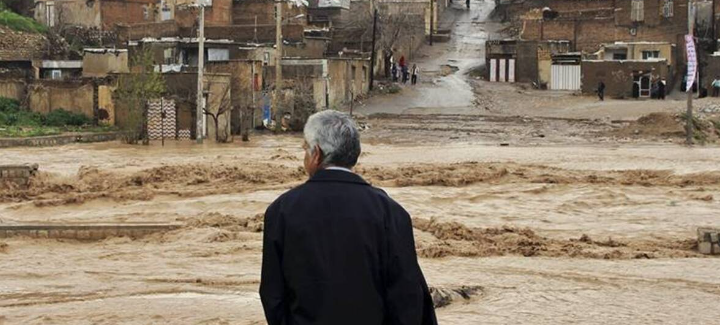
<point x="278" y="54"/>
<point x="199" y="134"/>
<point x="714" y="30"/>
<point x="372" y="51"/>
<point x="689" y="87"/>
<point x="432" y="18"/>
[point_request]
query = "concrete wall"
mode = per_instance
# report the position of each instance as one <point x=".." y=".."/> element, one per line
<point x="12" y="89"/>
<point x="618" y="75"/>
<point x="526" y="64"/>
<point x="246" y="86"/>
<point x="102" y="64"/>
<point x="46" y="96"/>
<point x="341" y="82"/>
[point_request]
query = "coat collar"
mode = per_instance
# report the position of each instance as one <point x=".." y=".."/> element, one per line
<point x="325" y="175"/>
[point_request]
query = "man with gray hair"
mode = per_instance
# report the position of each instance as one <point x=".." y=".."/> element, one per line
<point x="337" y="251"/>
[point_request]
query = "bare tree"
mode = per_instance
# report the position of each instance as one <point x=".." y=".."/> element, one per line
<point x="224" y="107"/>
<point x="218" y="105"/>
<point x="392" y="28"/>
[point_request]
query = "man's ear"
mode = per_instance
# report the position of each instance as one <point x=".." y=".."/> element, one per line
<point x="317" y="155"/>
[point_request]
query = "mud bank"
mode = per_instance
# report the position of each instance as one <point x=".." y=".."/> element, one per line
<point x="455" y="239"/>
<point x="189" y="180"/>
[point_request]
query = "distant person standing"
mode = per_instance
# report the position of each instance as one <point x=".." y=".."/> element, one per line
<point x="467" y="3"/>
<point x="394" y="71"/>
<point x="601" y="91"/>
<point x="415" y="72"/>
<point x="716" y="86"/>
<point x="661" y="89"/>
<point x="405" y="74"/>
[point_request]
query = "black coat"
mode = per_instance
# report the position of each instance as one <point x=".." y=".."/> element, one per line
<point x="337" y="251"/>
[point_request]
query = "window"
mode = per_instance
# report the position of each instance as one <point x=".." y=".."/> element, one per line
<point x="619" y="56"/>
<point x="650" y="55"/>
<point x="146" y="13"/>
<point x="637" y="12"/>
<point x="668" y="9"/>
<point x="218" y="54"/>
<point x="166" y="13"/>
<point x="50" y="13"/>
<point x="169" y="56"/>
<point x="55" y="74"/>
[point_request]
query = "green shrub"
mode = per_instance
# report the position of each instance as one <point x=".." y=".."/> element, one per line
<point x="12" y="115"/>
<point x="8" y="105"/>
<point x="61" y="117"/>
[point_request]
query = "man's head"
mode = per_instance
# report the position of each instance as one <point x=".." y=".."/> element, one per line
<point x="331" y="139"/>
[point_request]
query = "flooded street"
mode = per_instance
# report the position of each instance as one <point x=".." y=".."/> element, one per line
<point x="552" y="233"/>
<point x="542" y="204"/>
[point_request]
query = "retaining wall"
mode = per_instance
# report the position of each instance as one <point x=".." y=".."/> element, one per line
<point x="59" y="140"/>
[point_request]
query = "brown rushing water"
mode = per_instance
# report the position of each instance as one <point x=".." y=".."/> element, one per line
<point x="509" y="220"/>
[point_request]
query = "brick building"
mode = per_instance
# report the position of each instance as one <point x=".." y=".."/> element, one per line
<point x="102" y="14"/>
<point x="590" y="23"/>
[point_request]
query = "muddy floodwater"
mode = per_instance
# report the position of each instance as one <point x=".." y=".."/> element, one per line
<point x="546" y="234"/>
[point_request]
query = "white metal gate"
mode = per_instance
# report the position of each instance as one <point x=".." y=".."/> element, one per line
<point x="565" y="77"/>
<point x="502" y="70"/>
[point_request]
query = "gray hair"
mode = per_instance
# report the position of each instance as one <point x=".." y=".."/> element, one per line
<point x="337" y="136"/>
